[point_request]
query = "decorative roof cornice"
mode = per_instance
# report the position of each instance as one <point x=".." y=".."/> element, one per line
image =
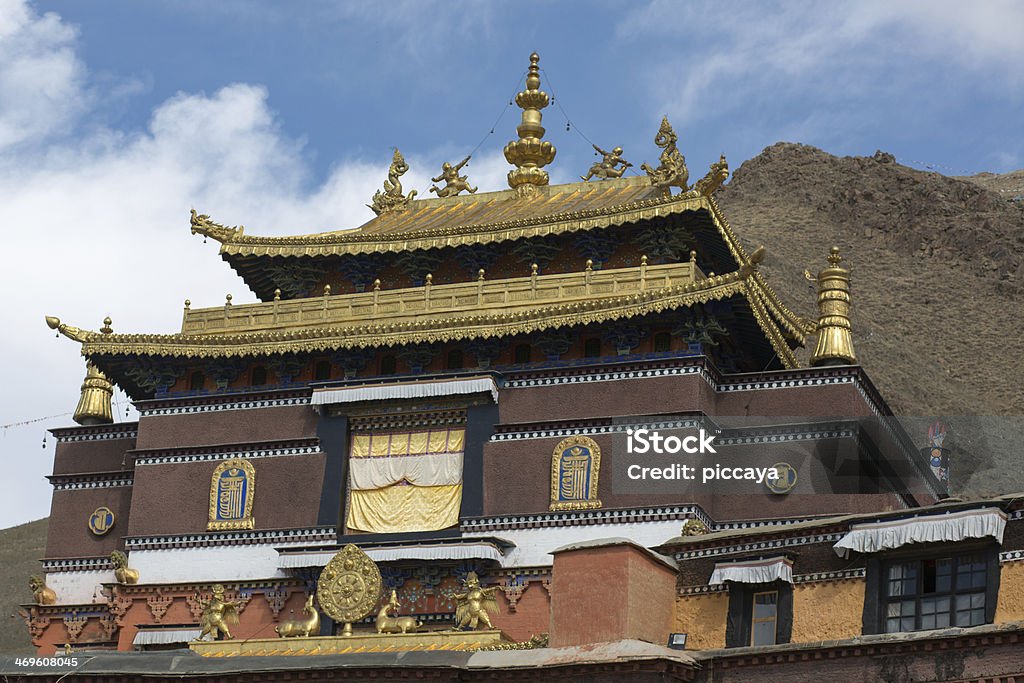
<point x="441" y="326"/>
<point x="360" y="241"/>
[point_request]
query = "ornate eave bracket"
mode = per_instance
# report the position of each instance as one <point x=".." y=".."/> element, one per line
<point x="202" y="225"/>
<point x="73" y="333"/>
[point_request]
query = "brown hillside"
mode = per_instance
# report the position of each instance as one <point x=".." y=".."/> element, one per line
<point x="20" y="550"/>
<point x="938" y="286"/>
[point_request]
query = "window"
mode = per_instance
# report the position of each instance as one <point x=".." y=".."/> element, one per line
<point x="662" y="342"/>
<point x="258" y="376"/>
<point x="522" y="354"/>
<point x="764" y="618"/>
<point x="454" y="360"/>
<point x="196" y="381"/>
<point x="388" y="365"/>
<point x="322" y="371"/>
<point x="759" y="614"/>
<point x="592" y="348"/>
<point x="935" y="593"/>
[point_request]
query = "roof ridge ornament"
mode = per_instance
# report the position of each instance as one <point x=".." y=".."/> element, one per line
<point x="453" y="182"/>
<point x="713" y="179"/>
<point x="392" y="199"/>
<point x="202" y="225"/>
<point x="529" y="154"/>
<point x="671" y="171"/>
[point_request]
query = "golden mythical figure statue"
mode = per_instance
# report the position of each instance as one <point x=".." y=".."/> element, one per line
<point x="716" y="176"/>
<point x="392" y="199"/>
<point x="608" y="166"/>
<point x="694" y="527"/>
<point x="122" y="572"/>
<point x="217" y="614"/>
<point x="202" y="225"/>
<point x="301" y="627"/>
<point x="473" y="604"/>
<point x="388" y="620"/>
<point x="41" y="593"/>
<point x="453" y="182"/>
<point x="672" y="171"/>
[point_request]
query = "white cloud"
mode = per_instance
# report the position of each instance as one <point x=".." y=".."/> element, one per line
<point x="40" y="76"/>
<point x="754" y="54"/>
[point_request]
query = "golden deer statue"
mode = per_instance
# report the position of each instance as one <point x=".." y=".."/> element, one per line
<point x="301" y="627"/>
<point x="395" y="624"/>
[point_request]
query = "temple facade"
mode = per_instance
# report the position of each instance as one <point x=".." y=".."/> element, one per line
<point x="450" y="387"/>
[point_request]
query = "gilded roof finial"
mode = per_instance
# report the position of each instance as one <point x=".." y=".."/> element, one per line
<point x="530" y="153"/>
<point x="392" y="199"/>
<point x="671" y="170"/>
<point x="94" y="404"/>
<point x="713" y="179"/>
<point x="107" y="329"/>
<point x="835" y="340"/>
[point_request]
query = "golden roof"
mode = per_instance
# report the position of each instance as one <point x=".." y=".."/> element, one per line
<point x="478" y="218"/>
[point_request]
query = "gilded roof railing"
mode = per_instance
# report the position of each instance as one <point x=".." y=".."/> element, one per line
<point x="480" y="295"/>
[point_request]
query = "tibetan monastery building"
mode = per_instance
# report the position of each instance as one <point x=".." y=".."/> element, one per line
<point x="453" y="389"/>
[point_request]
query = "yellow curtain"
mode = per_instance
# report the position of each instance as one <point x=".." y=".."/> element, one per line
<point x="404" y="508"/>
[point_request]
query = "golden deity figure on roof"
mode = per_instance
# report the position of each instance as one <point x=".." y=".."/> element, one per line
<point x="473" y="604"/>
<point x="671" y="171"/>
<point x="392" y="199"/>
<point x="454" y="183"/>
<point x="217" y="614"/>
<point x="608" y="167"/>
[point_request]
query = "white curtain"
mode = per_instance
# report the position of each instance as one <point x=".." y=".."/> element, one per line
<point x="380" y="392"/>
<point x="952" y="526"/>
<point x="753" y="571"/>
<point x="422" y="470"/>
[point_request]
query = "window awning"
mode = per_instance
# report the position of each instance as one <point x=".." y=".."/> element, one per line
<point x="392" y="390"/>
<point x="453" y="551"/>
<point x="953" y="526"/>
<point x="165" y="636"/>
<point x="753" y="571"/>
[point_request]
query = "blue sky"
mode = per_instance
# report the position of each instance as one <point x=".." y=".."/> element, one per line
<point x="117" y="117"/>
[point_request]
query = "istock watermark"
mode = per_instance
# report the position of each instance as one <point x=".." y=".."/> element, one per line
<point x="645" y="440"/>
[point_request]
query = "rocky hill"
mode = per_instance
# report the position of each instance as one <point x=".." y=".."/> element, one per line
<point x="938" y="287"/>
<point x="20" y="550"/>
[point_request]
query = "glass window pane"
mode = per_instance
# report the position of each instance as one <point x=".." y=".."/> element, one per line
<point x="765" y="605"/>
<point x="764" y="633"/>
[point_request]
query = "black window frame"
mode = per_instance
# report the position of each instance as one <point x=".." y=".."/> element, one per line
<point x="740" y="620"/>
<point x="877" y="598"/>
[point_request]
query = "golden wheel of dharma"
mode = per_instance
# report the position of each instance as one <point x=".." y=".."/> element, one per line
<point x="350" y="586"/>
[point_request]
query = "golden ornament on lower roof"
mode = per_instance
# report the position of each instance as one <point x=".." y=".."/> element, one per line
<point x="349" y="586"/>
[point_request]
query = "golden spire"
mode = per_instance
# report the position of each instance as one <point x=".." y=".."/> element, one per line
<point x="530" y="153"/>
<point x="94" y="405"/>
<point x="835" y="341"/>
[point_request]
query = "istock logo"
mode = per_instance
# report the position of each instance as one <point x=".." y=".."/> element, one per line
<point x="647" y="441"/>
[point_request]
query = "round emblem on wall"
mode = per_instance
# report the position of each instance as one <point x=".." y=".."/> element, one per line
<point x="786" y="480"/>
<point x="101" y="520"/>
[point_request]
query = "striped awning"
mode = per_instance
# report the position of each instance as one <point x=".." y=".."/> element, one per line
<point x="440" y="551"/>
<point x="412" y="389"/>
<point x="753" y="571"/>
<point x="165" y="636"/>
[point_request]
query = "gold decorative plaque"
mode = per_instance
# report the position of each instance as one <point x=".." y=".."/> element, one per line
<point x="349" y="587"/>
<point x="575" y="466"/>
